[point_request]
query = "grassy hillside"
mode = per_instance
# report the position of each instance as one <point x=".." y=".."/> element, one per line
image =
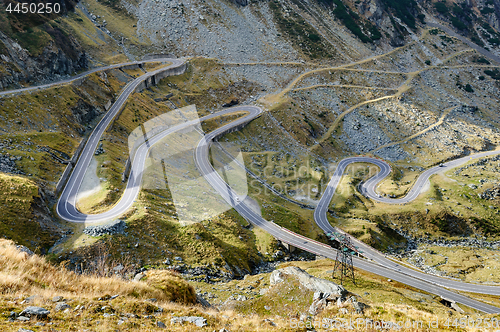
<point x="23" y="275"/>
<point x="430" y="100"/>
<point x="102" y="303"/>
<point x="21" y="201"/>
<point x="153" y="222"/>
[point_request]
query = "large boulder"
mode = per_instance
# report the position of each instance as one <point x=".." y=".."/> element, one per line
<point x="60" y="306"/>
<point x="33" y="311"/>
<point x="198" y="321"/>
<point x="201" y="300"/>
<point x="308" y="281"/>
<point x="25" y="250"/>
<point x="358" y="306"/>
<point x="317" y="306"/>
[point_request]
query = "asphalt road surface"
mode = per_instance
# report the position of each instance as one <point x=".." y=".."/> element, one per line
<point x="368" y="189"/>
<point x="388" y="269"/>
<point x="76" y="77"/>
<point x="67" y="210"/>
<point x="66" y="205"/>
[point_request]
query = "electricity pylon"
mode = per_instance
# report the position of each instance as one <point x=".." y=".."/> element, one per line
<point x="343" y="262"/>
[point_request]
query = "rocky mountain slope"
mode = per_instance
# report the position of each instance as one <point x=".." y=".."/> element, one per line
<point x="337" y="31"/>
<point x="35" y="296"/>
<point x="336" y="78"/>
<point x="35" y="48"/>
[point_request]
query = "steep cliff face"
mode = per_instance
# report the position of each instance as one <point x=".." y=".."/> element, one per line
<point x="85" y="113"/>
<point x="491" y="12"/>
<point x="394" y="19"/>
<point x="477" y="20"/>
<point x="338" y="31"/>
<point x="241" y="2"/>
<point x="61" y="56"/>
<point x="332" y="30"/>
<point x="34" y="48"/>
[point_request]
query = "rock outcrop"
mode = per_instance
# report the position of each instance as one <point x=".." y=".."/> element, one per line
<point x="204" y="303"/>
<point x="308" y="281"/>
<point x="116" y="227"/>
<point x="326" y="293"/>
<point x="85" y="113"/>
<point x="240" y="2"/>
<point x="198" y="321"/>
<point x="33" y="311"/>
<point x="491" y="193"/>
<point x="62" y="56"/>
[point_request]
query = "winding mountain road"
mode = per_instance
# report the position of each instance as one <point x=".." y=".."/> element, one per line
<point x="66" y="205"/>
<point x="81" y="75"/>
<point x="368" y="189"/>
<point x="386" y="267"/>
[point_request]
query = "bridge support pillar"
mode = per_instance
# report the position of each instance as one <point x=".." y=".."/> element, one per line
<point x="288" y="247"/>
<point x="451" y="304"/>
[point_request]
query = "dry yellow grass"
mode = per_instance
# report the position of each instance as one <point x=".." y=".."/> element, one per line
<point x="24" y="274"/>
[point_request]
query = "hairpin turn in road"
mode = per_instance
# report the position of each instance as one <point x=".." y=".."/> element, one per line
<point x="66" y="205"/>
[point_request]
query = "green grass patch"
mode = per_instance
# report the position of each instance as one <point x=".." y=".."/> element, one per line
<point x="302" y="35"/>
<point x="20" y="199"/>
